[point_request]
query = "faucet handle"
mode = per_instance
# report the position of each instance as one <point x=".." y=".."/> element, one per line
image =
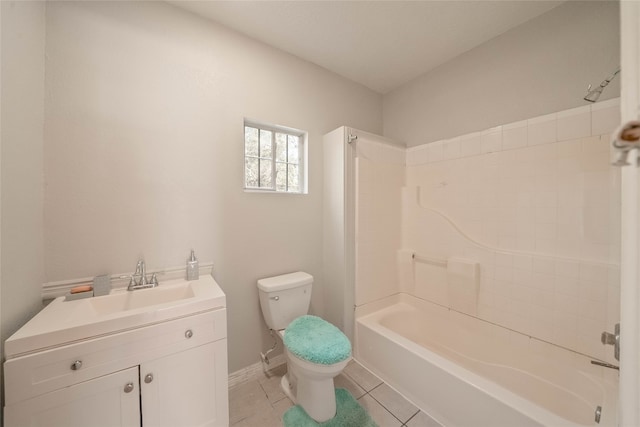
<point x="154" y="280"/>
<point x="608" y="338"/>
<point x="139" y="268"/>
<point x="132" y="281"/>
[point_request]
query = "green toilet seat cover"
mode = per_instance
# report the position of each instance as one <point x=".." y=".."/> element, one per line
<point x="316" y="340"/>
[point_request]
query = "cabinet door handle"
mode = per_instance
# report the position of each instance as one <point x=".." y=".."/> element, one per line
<point x="148" y="378"/>
<point x="189" y="333"/>
<point x="128" y="388"/>
<point x="76" y="365"/>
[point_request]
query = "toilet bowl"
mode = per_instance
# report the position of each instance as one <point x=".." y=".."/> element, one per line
<point x="314" y="385"/>
<point x="316" y="351"/>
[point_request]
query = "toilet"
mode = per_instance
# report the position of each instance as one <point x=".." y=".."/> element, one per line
<point x="316" y="351"/>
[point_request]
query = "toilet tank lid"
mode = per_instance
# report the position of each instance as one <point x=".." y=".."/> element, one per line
<point x="285" y="281"/>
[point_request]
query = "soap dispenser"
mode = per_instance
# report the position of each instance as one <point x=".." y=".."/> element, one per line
<point x="193" y="271"/>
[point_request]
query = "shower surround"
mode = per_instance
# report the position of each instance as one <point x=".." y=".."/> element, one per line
<point x="512" y="236"/>
<point x="535" y="203"/>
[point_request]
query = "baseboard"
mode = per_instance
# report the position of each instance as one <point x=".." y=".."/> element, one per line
<point x="254" y="371"/>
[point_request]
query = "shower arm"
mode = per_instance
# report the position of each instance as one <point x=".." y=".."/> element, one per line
<point x="592" y="95"/>
<point x="606" y="81"/>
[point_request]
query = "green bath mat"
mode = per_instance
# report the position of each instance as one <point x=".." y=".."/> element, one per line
<point x="349" y="413"/>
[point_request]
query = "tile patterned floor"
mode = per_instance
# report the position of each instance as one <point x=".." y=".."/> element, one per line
<point x="261" y="402"/>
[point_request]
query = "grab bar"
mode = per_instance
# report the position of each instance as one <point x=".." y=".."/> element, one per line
<point x="429" y="260"/>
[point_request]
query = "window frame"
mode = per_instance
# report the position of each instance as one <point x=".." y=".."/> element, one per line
<point x="302" y="157"/>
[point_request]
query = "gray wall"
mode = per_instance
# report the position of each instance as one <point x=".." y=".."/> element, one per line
<point x="22" y="274"/>
<point x="540" y="67"/>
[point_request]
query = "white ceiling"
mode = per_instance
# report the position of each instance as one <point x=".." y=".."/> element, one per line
<point x="380" y="44"/>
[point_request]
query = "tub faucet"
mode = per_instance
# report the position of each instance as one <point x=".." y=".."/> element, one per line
<point x="139" y="278"/>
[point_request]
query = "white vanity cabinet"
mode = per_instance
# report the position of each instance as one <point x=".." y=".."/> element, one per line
<point x="184" y="389"/>
<point x="105" y="401"/>
<point x="171" y="373"/>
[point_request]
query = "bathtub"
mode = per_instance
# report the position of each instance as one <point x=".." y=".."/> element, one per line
<point x="463" y="371"/>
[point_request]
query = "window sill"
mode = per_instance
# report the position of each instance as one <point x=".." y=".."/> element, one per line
<point x="255" y="190"/>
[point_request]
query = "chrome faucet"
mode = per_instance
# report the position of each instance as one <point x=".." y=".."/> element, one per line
<point x="139" y="279"/>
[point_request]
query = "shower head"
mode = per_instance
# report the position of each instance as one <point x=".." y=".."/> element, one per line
<point x="593" y="94"/>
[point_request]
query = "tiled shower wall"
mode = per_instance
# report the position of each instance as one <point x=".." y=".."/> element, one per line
<point x="539" y="204"/>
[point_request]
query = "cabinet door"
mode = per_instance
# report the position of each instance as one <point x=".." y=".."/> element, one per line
<point x="187" y="389"/>
<point x="109" y="401"/>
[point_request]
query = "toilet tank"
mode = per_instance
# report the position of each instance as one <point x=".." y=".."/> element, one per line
<point x="284" y="298"/>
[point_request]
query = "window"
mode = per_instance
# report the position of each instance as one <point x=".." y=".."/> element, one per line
<point x="274" y="159"/>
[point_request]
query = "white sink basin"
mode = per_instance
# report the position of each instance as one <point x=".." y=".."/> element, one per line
<point x="123" y="301"/>
<point x="63" y="322"/>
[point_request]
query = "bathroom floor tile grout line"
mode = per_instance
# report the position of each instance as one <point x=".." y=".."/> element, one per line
<point x="368" y="392"/>
<point x="406" y="423"/>
<point x="403" y="423"/>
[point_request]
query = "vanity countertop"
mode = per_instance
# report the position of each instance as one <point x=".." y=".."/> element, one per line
<point x="65" y="322"/>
